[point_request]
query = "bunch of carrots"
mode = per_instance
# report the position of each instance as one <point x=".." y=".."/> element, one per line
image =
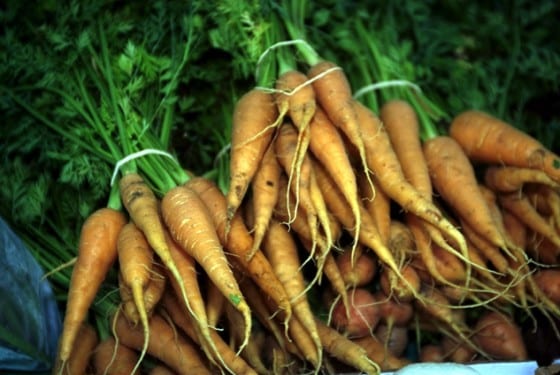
<point x="344" y="233"/>
<point x="328" y="201"/>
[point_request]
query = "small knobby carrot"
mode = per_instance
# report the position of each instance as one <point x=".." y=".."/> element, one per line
<point x="239" y="243"/>
<point x="384" y="163"/>
<point x="177" y="351"/>
<point x="488" y="139"/>
<point x="112" y="358"/>
<point x="97" y="251"/>
<point x="253" y="125"/>
<point x="453" y="177"/>
<point x="519" y="205"/>
<point x="192" y="227"/>
<point x="265" y="194"/>
<point x="510" y="179"/>
<point x="334" y="95"/>
<point x="135" y="260"/>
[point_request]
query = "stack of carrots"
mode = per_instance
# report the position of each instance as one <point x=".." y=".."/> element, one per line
<point x="342" y="236"/>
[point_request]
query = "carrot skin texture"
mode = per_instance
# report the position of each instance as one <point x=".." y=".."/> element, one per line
<point x="81" y="354"/>
<point x="239" y="242"/>
<point x="488" y="139"/>
<point x="97" y="251"/>
<point x="253" y="117"/>
<point x="122" y="363"/>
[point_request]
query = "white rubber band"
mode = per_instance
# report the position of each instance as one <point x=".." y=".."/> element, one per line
<point x="384" y="84"/>
<point x="135" y="155"/>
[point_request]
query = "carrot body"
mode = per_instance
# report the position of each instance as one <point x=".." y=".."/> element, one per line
<point x="252" y="130"/>
<point x="192" y="227"/>
<point x="498" y="336"/>
<point x="240" y="243"/>
<point x="454" y="178"/>
<point x="135" y="260"/>
<point x="296" y="98"/>
<point x="97" y="251"/>
<point x="490" y="140"/>
<point x="112" y="358"/>
<point x="265" y="194"/>
<point x="511" y="179"/>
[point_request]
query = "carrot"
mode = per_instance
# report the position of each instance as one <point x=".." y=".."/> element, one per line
<point x="384" y="163"/>
<point x="497" y="335"/>
<point x="334" y="95"/>
<point x="457" y="351"/>
<point x="281" y="250"/>
<point x="346" y="350"/>
<point x="234" y="362"/>
<point x="328" y="148"/>
<point x="81" y="354"/>
<point x="194" y="301"/>
<point x="401" y="123"/>
<point x="303" y="191"/>
<point x="515" y="229"/>
<point x="112" y="358"/>
<point x="143" y="207"/>
<point x="174" y="350"/>
<point x="253" y="123"/>
<point x="542" y="249"/>
<point x="215" y="301"/>
<point x="393" y="312"/>
<point x="395" y="339"/>
<point x="490" y="140"/>
<point x="454" y="178"/>
<point x="97" y="251"/>
<point x="135" y="259"/>
<point x="404" y="286"/>
<point x="519" y="205"/>
<point x="240" y="244"/>
<point x="510" y="179"/>
<point x="377" y="352"/>
<point x="191" y="224"/>
<point x="362" y="272"/>
<point x="377" y="204"/>
<point x="265" y="194"/>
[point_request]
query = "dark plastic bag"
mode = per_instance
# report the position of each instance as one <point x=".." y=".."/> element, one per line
<point x="30" y="321"/>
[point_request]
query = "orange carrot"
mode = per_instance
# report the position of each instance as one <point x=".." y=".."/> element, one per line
<point x="265" y="194"/>
<point x="281" y="249"/>
<point x="384" y="163"/>
<point x="515" y="229"/>
<point x="215" y="301"/>
<point x="377" y="204"/>
<point x="454" y="178"/>
<point x="490" y="140"/>
<point x="191" y="224"/>
<point x="519" y="205"/>
<point x="194" y="303"/>
<point x="173" y="307"/>
<point x="176" y="351"/>
<point x="161" y="370"/>
<point x="135" y="259"/>
<point x="547" y="280"/>
<point x="112" y="358"/>
<point x="143" y="207"/>
<point x="378" y="353"/>
<point x="239" y="243"/>
<point x="97" y="251"/>
<point x="334" y="95"/>
<point x="362" y="272"/>
<point x="79" y="361"/>
<point x="510" y="179"/>
<point x="497" y="335"/>
<point x="328" y="148"/>
<point x="252" y="129"/>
